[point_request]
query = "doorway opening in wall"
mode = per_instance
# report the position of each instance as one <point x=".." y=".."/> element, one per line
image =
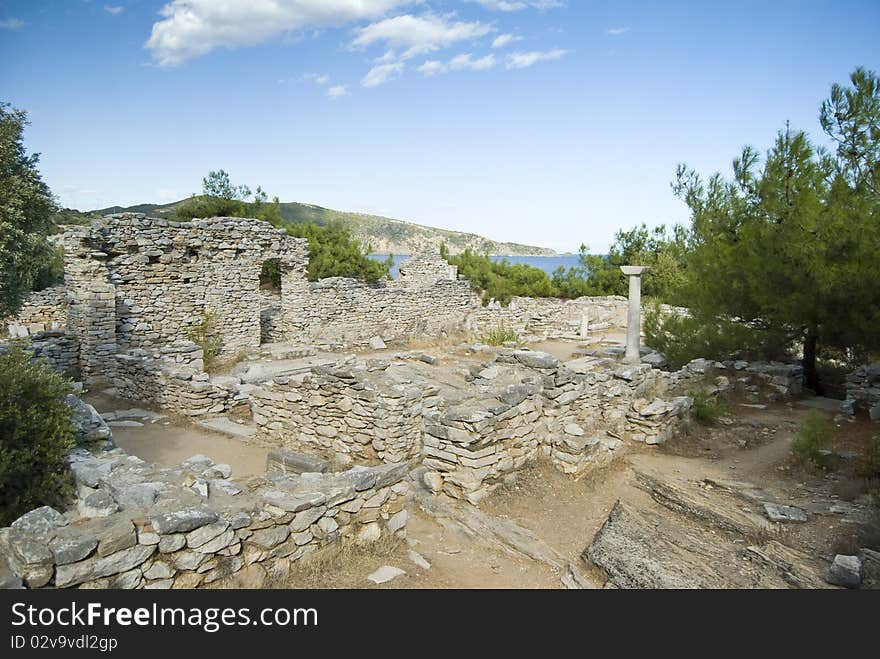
<point x="270" y="300"/>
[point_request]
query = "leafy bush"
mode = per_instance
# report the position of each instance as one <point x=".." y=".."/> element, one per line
<point x="26" y="209"/>
<point x="682" y="338"/>
<point x="51" y="271"/>
<point x="36" y="435"/>
<point x="499" y="335"/>
<point x="500" y="280"/>
<point x="207" y="336"/>
<point x="334" y="253"/>
<point x="663" y="252"/>
<point x="706" y="408"/>
<point x="813" y="437"/>
<point x="270" y="274"/>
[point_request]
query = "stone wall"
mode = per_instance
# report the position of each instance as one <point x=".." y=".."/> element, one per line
<point x="348" y="312"/>
<point x="271" y="325"/>
<point x="553" y="317"/>
<point x="60" y="350"/>
<point x="573" y="413"/>
<point x="173" y="378"/>
<point x="41" y="311"/>
<point x="353" y="409"/>
<point x="164" y="276"/>
<point x="424" y="270"/>
<point x="136" y="525"/>
<point x="863" y="392"/>
<point x="469" y="446"/>
<point x="91" y="312"/>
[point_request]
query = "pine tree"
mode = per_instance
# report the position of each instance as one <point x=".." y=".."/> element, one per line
<point x="793" y="245"/>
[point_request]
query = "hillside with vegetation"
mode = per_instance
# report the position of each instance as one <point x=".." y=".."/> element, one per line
<point x="383" y="235"/>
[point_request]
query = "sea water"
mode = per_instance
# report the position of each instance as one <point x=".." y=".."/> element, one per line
<point x="546" y="263"/>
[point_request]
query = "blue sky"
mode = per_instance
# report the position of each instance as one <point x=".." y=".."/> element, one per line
<point x="538" y="121"/>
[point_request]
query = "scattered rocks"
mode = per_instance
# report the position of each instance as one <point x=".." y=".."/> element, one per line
<point x="418" y="559"/>
<point x="780" y="513"/>
<point x="385" y="574"/>
<point x="845" y="571"/>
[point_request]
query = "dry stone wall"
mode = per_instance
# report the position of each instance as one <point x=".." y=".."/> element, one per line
<point x="351" y="409"/>
<point x="863" y="392"/>
<point x="137" y="525"/>
<point x="173" y="378"/>
<point x="553" y="317"/>
<point x="574" y="414"/>
<point x="41" y="311"/>
<point x="271" y="326"/>
<point x="60" y="350"/>
<point x="423" y="271"/>
<point x="426" y="300"/>
<point x="164" y="276"/>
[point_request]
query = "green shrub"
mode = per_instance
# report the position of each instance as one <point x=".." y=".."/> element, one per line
<point x="499" y="336"/>
<point x="813" y="437"/>
<point x="270" y="274"/>
<point x="500" y="280"/>
<point x="334" y="253"/>
<point x="682" y="338"/>
<point x="206" y="335"/>
<point x="36" y="435"/>
<point x="706" y="408"/>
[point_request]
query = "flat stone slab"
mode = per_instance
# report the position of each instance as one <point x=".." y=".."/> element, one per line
<point x="780" y="513"/>
<point x="385" y="574"/>
<point x="289" y="461"/>
<point x="644" y="549"/>
<point x="419" y="560"/>
<point x="821" y="403"/>
<point x="228" y="427"/>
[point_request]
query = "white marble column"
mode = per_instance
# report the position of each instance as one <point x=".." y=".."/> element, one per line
<point x="634" y="311"/>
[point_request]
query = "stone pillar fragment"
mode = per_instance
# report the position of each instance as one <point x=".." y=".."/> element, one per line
<point x="634" y="311"/>
<point x="585" y="326"/>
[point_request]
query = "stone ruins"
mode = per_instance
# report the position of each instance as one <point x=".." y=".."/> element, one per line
<point x="353" y="432"/>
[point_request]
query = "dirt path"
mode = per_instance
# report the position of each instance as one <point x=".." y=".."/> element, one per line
<point x="174" y="443"/>
<point x="165" y="439"/>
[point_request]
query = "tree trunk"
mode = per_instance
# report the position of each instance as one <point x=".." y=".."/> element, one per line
<point x="811" y="376"/>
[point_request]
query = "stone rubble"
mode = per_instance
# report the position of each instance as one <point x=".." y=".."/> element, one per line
<point x="138" y="525"/>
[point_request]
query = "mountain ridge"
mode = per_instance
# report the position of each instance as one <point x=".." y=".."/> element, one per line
<point x="384" y="235"/>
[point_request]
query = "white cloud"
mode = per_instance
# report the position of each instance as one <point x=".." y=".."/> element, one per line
<point x="417" y="35"/>
<point x="192" y="28"/>
<point x="317" y="78"/>
<point x="523" y="60"/>
<point x="337" y="91"/>
<point x="432" y="67"/>
<point x="504" y="39"/>
<point x="11" y="24"/>
<point x="518" y="5"/>
<point x="614" y="31"/>
<point x="114" y="10"/>
<point x="463" y="62"/>
<point x="382" y="73"/>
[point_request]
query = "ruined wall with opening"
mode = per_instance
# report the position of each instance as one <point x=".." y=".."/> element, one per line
<point x="166" y="275"/>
